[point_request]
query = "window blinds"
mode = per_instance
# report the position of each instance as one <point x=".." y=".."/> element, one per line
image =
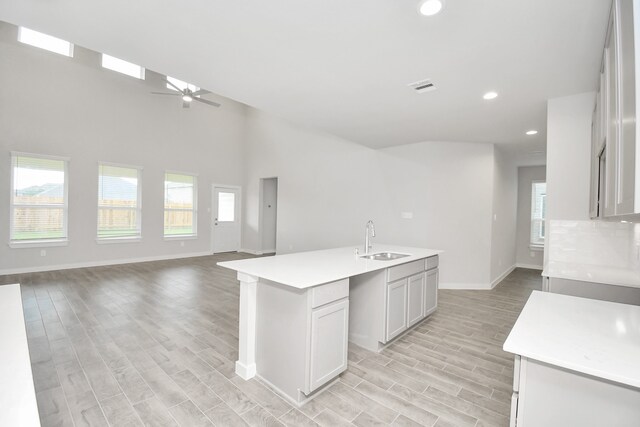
<point x="38" y="199"/>
<point x="179" y="205"/>
<point x="538" y="212"/>
<point x="118" y="202"/>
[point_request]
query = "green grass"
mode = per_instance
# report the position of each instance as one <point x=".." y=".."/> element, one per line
<point x="37" y="235"/>
<point x="176" y="231"/>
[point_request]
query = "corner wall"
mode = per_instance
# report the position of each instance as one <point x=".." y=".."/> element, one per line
<point x="71" y="107"/>
<point x="329" y="187"/>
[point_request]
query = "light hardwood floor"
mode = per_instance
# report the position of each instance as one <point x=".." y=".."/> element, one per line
<point x="155" y="344"/>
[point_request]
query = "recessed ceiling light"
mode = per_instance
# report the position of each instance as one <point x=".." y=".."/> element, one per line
<point x="430" y="7"/>
<point x="490" y="95"/>
<point x="532" y="132"/>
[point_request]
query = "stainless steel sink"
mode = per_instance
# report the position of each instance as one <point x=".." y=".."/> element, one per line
<point x="384" y="256"/>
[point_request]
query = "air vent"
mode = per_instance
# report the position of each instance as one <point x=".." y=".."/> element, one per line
<point x="423" y="86"/>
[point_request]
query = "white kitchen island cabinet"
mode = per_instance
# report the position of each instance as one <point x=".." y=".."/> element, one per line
<point x="296" y="311"/>
<point x="576" y="363"/>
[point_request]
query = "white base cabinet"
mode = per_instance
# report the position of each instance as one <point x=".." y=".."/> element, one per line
<point x="600" y="291"/>
<point x="387" y="303"/>
<point x="302" y="336"/>
<point x="550" y="396"/>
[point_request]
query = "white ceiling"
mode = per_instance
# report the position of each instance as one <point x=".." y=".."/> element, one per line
<point x="342" y="66"/>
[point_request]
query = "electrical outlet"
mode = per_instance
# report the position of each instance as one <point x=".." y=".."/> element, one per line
<point x="532" y="254"/>
<point x="182" y="244"/>
<point x="43" y="252"/>
<point x="406" y="215"/>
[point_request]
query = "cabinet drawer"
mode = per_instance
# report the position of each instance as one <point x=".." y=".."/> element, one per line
<point x="431" y="262"/>
<point x="324" y="294"/>
<point x="404" y="270"/>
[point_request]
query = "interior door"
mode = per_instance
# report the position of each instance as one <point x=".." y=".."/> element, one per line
<point x="225" y="219"/>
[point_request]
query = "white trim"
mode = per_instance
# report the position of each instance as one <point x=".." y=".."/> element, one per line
<point x="250" y="251"/>
<point x="536" y="247"/>
<point x="42" y="156"/>
<point x="110" y="240"/>
<point x="529" y="266"/>
<point x="462" y="285"/>
<point x="501" y="277"/>
<point x="174" y="237"/>
<point x="17" y="244"/>
<point x="101" y="263"/>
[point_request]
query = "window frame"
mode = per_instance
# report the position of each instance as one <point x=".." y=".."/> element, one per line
<point x="140" y="76"/>
<point x="69" y="53"/>
<point x="193" y="235"/>
<point x="138" y="208"/>
<point x="38" y="243"/>
<point x="535" y="245"/>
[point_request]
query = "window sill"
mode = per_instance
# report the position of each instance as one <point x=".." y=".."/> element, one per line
<point x="536" y="247"/>
<point x="181" y="237"/>
<point x="106" y="241"/>
<point x="39" y="243"/>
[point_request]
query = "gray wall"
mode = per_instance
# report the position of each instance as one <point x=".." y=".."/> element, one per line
<point x="526" y="257"/>
<point x="71" y="107"/>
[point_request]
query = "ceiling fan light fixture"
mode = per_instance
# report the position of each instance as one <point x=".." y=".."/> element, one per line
<point x="430" y="7"/>
<point x="187" y="98"/>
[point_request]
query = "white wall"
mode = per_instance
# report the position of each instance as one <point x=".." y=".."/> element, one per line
<point x="525" y="257"/>
<point x="568" y="157"/>
<point x="328" y="188"/>
<point x="55" y="105"/>
<point x="503" y="226"/>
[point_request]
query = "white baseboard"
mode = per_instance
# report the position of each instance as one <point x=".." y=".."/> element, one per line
<point x="529" y="266"/>
<point x="254" y="252"/>
<point x="462" y="286"/>
<point x="501" y="277"/>
<point x="100" y="263"/>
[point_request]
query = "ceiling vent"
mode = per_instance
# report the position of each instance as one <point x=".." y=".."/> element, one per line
<point x="422" y="86"/>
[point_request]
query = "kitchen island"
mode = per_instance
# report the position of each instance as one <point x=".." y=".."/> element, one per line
<point x="576" y="362"/>
<point x="294" y="319"/>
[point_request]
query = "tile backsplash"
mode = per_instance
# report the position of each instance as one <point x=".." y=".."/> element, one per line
<point x="601" y="243"/>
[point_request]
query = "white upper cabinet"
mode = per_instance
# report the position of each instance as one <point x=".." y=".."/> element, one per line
<point x="615" y="162"/>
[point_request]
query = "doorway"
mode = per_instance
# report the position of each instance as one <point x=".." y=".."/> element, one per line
<point x="268" y="214"/>
<point x="225" y="217"/>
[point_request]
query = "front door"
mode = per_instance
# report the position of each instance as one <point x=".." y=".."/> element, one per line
<point x="226" y="218"/>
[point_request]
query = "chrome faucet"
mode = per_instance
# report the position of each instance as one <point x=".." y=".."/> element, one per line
<point x="367" y="243"/>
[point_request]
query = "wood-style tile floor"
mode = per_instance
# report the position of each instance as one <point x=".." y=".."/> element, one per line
<point x="155" y="344"/>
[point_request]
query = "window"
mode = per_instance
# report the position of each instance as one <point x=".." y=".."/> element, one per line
<point x="180" y="200"/>
<point x="181" y="85"/>
<point x="226" y="207"/>
<point x="38" y="199"/>
<point x="538" y="212"/>
<point x="122" y="66"/>
<point x="119" y="207"/>
<point x="44" y="41"/>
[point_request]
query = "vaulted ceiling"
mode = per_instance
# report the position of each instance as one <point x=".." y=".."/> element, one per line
<point x="343" y="66"/>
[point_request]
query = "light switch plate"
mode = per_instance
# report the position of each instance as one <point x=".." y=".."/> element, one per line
<point x="406" y="215"/>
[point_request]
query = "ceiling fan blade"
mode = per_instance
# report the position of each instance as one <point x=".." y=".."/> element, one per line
<point x="215" y="104"/>
<point x="186" y="104"/>
<point x="166" y="93"/>
<point x="200" y="92"/>
<point x="174" y="86"/>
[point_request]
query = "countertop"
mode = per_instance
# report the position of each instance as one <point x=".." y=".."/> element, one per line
<point x="306" y="269"/>
<point x="17" y="394"/>
<point x="593" y="273"/>
<point x="594" y="337"/>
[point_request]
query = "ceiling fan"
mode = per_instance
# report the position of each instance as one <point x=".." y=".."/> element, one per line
<point x="188" y="95"/>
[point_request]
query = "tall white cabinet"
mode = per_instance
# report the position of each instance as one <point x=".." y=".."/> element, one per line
<point x="615" y="161"/>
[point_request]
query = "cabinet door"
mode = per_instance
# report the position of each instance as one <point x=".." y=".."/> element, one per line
<point x="611" y="70"/>
<point x="415" y="303"/>
<point x="329" y="338"/>
<point x="396" y="309"/>
<point x="626" y="160"/>
<point x="431" y="292"/>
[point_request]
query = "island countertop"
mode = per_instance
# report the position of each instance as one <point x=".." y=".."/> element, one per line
<point x="594" y="337"/>
<point x="306" y="269"/>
